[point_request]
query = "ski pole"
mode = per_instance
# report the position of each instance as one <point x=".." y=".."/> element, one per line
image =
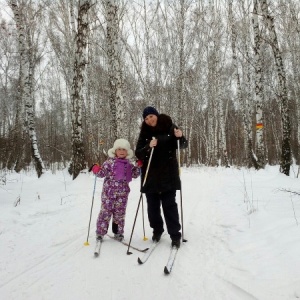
<point x="87" y="239"/>
<point x="137" y="210"/>
<point x="147" y="170"/>
<point x="181" y="206"/>
<point x="143" y="217"/>
<point x="141" y="196"/>
<point x="145" y="238"/>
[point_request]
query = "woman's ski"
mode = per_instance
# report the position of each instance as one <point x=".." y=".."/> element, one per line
<point x="147" y="254"/>
<point x="169" y="266"/>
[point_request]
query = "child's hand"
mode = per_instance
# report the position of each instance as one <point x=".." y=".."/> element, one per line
<point x="96" y="168"/>
<point x="139" y="163"/>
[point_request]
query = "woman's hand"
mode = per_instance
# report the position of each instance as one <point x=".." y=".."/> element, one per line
<point x="177" y="132"/>
<point x="153" y="143"/>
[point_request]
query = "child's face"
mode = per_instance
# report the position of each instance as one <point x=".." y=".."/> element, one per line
<point x="121" y="153"/>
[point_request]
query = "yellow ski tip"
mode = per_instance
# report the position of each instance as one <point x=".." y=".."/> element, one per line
<point x="86" y="244"/>
<point x="145" y="238"/>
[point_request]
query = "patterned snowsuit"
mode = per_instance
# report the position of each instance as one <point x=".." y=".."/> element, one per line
<point x="118" y="174"/>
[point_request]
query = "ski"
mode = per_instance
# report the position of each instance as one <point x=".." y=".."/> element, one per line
<point x="126" y="244"/>
<point x="97" y="248"/>
<point x="147" y="254"/>
<point x="169" y="266"/>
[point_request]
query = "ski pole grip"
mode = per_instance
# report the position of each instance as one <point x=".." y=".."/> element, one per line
<point x="178" y="155"/>
<point x="147" y="170"/>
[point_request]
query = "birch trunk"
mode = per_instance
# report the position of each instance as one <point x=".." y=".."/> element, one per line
<point x="26" y="84"/>
<point x="247" y="129"/>
<point x="15" y="160"/>
<point x="223" y="144"/>
<point x="260" y="148"/>
<point x="78" y="158"/>
<point x="286" y="154"/>
<point x="211" y="110"/>
<point x="220" y="134"/>
<point x="211" y="93"/>
<point x="117" y="103"/>
<point x="180" y="78"/>
<point x="147" y="93"/>
<point x="293" y="42"/>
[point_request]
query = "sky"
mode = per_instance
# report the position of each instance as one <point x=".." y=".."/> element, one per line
<point x="242" y="228"/>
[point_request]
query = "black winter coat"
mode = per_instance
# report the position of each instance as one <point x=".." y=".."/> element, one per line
<point x="163" y="174"/>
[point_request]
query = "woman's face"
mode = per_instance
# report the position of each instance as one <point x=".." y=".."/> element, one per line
<point x="151" y="120"/>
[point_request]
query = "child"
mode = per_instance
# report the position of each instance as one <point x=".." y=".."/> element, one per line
<point x="118" y="172"/>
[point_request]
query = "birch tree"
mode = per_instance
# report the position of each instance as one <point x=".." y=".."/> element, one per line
<point x="10" y="102"/>
<point x="180" y="82"/>
<point x="16" y="155"/>
<point x="78" y="158"/>
<point x="62" y="35"/>
<point x="247" y="126"/>
<point x="116" y="99"/>
<point x="147" y="29"/>
<point x="62" y="32"/>
<point x="286" y="154"/>
<point x="217" y="149"/>
<point x="290" y="12"/>
<point x="26" y="81"/>
<point x="260" y="149"/>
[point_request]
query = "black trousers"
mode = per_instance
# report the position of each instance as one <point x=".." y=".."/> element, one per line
<point x="168" y="202"/>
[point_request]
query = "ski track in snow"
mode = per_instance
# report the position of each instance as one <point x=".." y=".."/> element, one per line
<point x="230" y="252"/>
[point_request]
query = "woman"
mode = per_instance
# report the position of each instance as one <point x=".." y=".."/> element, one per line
<point x="158" y="132"/>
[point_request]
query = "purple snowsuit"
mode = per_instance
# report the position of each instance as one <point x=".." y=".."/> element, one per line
<point x="118" y="173"/>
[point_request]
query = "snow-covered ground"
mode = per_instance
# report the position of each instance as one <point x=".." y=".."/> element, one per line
<point x="242" y="229"/>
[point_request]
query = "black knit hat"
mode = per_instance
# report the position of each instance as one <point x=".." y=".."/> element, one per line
<point x="149" y="110"/>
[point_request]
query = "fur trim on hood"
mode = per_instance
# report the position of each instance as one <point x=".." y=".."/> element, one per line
<point x="120" y="144"/>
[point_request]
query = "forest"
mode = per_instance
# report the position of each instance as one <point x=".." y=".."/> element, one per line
<point x="77" y="74"/>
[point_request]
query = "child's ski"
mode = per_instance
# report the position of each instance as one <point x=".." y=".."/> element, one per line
<point x="97" y="248"/>
<point x="126" y="244"/>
